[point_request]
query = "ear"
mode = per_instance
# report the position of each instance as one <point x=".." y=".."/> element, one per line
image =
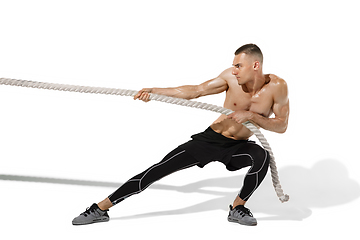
<point x="256" y="65"/>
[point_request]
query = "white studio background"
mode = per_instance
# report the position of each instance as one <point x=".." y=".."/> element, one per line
<point x="313" y="45"/>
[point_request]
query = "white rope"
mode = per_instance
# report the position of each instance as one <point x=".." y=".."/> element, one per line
<point x="161" y="98"/>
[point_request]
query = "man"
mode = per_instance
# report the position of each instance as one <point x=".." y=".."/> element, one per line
<point x="253" y="96"/>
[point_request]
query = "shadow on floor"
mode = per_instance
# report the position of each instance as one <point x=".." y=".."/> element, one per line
<point x="324" y="185"/>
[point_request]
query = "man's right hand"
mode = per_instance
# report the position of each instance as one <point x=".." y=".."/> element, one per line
<point x="143" y="94"/>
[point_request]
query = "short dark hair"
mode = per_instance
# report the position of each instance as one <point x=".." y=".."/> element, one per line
<point x="250" y="49"/>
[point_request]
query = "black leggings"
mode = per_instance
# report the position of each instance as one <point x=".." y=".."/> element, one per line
<point x="249" y="154"/>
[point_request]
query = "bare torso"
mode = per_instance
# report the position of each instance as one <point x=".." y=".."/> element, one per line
<point x="267" y="95"/>
<point x="238" y="99"/>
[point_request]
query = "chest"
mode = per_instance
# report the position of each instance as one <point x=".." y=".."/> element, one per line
<point x="261" y="103"/>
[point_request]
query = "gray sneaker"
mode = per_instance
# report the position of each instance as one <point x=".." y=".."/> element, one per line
<point x="92" y="214"/>
<point x="241" y="215"/>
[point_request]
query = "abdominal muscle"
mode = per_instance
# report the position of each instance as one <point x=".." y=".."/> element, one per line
<point x="230" y="129"/>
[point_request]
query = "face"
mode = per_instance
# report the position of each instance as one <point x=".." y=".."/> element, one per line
<point x="244" y="68"/>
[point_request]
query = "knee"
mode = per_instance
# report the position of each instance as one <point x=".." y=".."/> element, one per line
<point x="261" y="158"/>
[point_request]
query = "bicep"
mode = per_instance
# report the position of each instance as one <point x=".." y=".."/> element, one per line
<point x="216" y="85"/>
<point x="281" y="111"/>
<point x="281" y="107"/>
<point x="213" y="86"/>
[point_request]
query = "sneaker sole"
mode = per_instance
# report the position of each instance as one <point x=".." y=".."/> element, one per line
<point x="94" y="221"/>
<point x="235" y="220"/>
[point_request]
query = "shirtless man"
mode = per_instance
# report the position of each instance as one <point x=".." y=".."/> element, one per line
<point x="254" y="97"/>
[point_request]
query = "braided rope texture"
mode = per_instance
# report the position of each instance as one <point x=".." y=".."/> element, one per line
<point x="161" y="98"/>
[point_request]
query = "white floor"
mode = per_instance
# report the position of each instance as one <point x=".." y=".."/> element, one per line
<point x="189" y="204"/>
<point x="60" y="152"/>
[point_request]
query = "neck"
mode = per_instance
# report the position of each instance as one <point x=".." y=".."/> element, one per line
<point x="255" y="85"/>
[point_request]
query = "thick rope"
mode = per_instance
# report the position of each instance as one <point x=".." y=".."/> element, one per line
<point x="161" y="98"/>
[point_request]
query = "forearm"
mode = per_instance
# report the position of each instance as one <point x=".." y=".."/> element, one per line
<point x="185" y="92"/>
<point x="277" y="125"/>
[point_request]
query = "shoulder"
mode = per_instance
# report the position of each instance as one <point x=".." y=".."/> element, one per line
<point x="279" y="87"/>
<point x="277" y="82"/>
<point x="227" y="75"/>
<point x="228" y="78"/>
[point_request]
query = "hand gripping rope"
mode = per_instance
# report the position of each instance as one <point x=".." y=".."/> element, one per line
<point x="161" y="98"/>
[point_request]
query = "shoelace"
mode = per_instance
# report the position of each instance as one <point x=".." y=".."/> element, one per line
<point x="88" y="211"/>
<point x="244" y="211"/>
<point x="247" y="211"/>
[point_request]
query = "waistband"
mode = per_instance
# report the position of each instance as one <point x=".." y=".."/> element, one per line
<point x="210" y="136"/>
